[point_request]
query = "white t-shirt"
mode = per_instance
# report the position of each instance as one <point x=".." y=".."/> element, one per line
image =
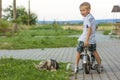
<point x="88" y="21"/>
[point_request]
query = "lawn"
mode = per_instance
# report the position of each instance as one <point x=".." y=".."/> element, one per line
<point x="45" y="36"/>
<point x="17" y="69"/>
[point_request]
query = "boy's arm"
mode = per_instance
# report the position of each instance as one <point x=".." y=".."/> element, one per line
<point x="87" y="37"/>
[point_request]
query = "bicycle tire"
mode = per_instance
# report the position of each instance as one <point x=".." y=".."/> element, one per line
<point x="86" y="66"/>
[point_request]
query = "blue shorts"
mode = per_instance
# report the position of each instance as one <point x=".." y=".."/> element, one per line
<point x="80" y="47"/>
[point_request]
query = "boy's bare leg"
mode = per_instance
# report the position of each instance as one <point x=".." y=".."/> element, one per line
<point x="77" y="61"/>
<point x="77" y="58"/>
<point x="97" y="57"/>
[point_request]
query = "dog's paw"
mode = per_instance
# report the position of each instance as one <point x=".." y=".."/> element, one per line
<point x="53" y="70"/>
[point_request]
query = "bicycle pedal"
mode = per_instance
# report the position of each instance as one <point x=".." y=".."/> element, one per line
<point x="93" y="68"/>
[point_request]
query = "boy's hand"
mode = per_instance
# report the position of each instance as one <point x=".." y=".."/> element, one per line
<point x="85" y="43"/>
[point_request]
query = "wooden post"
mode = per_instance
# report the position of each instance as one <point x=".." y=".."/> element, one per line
<point x="28" y="12"/>
<point x="0" y="9"/>
<point x="14" y="17"/>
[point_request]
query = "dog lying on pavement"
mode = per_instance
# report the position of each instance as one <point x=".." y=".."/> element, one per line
<point x="51" y="65"/>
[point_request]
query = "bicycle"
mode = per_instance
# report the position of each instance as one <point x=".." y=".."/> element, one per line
<point x="88" y="61"/>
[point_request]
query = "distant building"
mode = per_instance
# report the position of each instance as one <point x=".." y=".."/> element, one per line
<point x="116" y="27"/>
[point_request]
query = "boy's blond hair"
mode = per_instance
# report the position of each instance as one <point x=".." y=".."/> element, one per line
<point x="86" y="4"/>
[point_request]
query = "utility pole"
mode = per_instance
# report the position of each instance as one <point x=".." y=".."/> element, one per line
<point x="14" y="17"/>
<point x="28" y="12"/>
<point x="14" y="9"/>
<point x="0" y="9"/>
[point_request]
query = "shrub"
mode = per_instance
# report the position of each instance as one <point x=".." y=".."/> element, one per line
<point x="4" y="24"/>
<point x="5" y="28"/>
<point x="106" y="32"/>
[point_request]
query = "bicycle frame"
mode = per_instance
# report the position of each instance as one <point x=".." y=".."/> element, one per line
<point x="87" y="60"/>
<point x="86" y="53"/>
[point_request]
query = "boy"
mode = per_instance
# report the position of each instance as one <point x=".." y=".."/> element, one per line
<point x="87" y="38"/>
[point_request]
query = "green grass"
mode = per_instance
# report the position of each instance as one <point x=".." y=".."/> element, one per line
<point x="40" y="37"/>
<point x="49" y="30"/>
<point x="17" y="69"/>
<point x="105" y="24"/>
<point x="106" y="32"/>
<point x="44" y="36"/>
<point x="31" y="43"/>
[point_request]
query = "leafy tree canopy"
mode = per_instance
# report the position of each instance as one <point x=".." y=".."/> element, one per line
<point x="21" y="15"/>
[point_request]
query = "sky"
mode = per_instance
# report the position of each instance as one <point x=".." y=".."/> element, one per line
<point x="67" y="9"/>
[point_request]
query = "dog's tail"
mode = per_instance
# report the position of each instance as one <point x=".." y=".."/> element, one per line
<point x="68" y="67"/>
<point x="35" y="65"/>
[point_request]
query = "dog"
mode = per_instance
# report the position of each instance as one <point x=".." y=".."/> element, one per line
<point x="51" y="65"/>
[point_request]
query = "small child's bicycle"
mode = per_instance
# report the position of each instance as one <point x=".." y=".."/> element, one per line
<point x="88" y="61"/>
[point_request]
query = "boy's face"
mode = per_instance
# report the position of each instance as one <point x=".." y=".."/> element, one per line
<point x="84" y="11"/>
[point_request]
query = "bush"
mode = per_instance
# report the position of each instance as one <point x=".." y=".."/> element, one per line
<point x="5" y="28"/>
<point x="106" y="32"/>
<point x="4" y="24"/>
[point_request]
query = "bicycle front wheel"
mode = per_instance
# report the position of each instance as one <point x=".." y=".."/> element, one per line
<point x="86" y="68"/>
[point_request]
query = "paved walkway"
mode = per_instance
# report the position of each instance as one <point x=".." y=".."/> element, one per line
<point x="108" y="48"/>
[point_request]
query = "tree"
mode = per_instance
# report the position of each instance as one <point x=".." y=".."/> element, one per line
<point x="0" y="9"/>
<point x="14" y="16"/>
<point x="21" y="15"/>
<point x="8" y="13"/>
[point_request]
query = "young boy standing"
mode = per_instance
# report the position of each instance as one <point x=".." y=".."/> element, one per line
<point x="87" y="38"/>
